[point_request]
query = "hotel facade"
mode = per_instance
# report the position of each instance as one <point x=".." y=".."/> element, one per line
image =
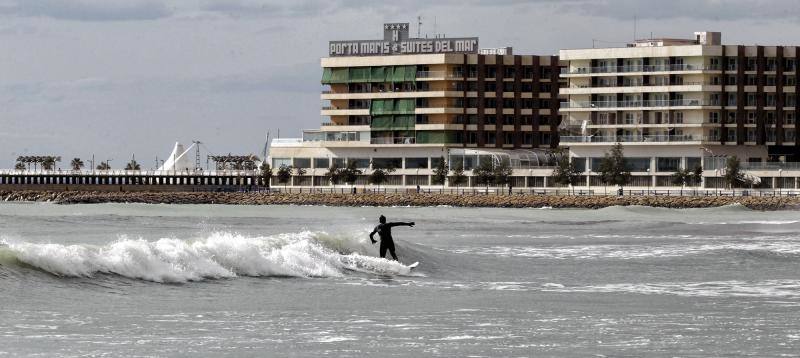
<point x="406" y="102"/>
<point x="679" y="103"/>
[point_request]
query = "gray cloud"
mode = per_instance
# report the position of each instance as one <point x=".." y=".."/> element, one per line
<point x="87" y="10"/>
<point x="693" y="9"/>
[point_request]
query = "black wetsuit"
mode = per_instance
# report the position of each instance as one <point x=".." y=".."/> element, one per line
<point x="385" y="233"/>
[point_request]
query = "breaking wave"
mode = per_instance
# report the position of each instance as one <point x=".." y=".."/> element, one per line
<point x="220" y="255"/>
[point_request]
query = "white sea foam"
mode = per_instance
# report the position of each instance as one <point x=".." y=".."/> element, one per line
<point x="220" y="255"/>
<point x="629" y="252"/>
<point x="760" y="289"/>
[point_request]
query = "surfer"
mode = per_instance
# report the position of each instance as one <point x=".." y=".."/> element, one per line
<point x="384" y="230"/>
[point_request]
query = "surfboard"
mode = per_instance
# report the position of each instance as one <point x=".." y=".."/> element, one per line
<point x="412" y="266"/>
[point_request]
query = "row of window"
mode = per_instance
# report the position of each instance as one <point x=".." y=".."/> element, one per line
<point x="751" y="117"/>
<point x="525" y="103"/>
<point x="508" y="71"/>
<point x="491" y="137"/>
<point x="361" y="163"/>
<point x="663" y="164"/>
<point x="506" y="119"/>
<point x="751" y="135"/>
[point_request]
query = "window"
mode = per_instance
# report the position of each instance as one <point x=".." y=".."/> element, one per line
<point x="751" y="99"/>
<point x="789" y="117"/>
<point x="731" y="118"/>
<point x="771" y="117"/>
<point x="508" y="103"/>
<point x="770" y="100"/>
<point x="435" y="162"/>
<point x="770" y="80"/>
<point x="751" y="134"/>
<point x="789" y="135"/>
<point x="508" y="86"/>
<point x="339" y="162"/>
<point x="731" y="99"/>
<point x="637" y="164"/>
<point x="386" y="163"/>
<point x="362" y="163"/>
<point x="730" y="80"/>
<point x="321" y="163"/>
<point x="751" y="64"/>
<point x="678" y="117"/>
<point x="668" y="164"/>
<point x="491" y="138"/>
<point x="508" y="137"/>
<point x="527" y="138"/>
<point x="732" y="66"/>
<point x="490" y="86"/>
<point x="713" y="117"/>
<point x="692" y="162"/>
<point x="580" y="164"/>
<point x="752" y="80"/>
<point x="751" y="117"/>
<point x="713" y="134"/>
<point x="508" y="120"/>
<point x="302" y="162"/>
<point x="279" y="162"/>
<point x="731" y="135"/>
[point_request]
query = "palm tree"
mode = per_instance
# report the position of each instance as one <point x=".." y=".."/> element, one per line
<point x="103" y="166"/>
<point x="133" y="165"/>
<point x="19" y="166"/>
<point x="76" y="164"/>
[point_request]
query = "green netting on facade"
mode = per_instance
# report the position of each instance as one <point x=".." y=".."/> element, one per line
<point x="392" y="123"/>
<point x="411" y="73"/>
<point x="435" y="137"/>
<point x="377" y="107"/>
<point x="340" y="75"/>
<point x="381" y="107"/>
<point x="369" y="74"/>
<point x="377" y="74"/>
<point x="405" y="106"/>
<point x="359" y="74"/>
<point x="326" y="75"/>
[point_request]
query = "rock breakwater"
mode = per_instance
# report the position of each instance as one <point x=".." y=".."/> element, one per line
<point x="408" y="199"/>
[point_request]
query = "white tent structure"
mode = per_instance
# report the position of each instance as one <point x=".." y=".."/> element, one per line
<point x="179" y="160"/>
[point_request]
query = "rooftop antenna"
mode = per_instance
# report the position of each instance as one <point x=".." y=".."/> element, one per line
<point x="634" y="27"/>
<point x="419" y="26"/>
<point x="435" y="34"/>
<point x="196" y="144"/>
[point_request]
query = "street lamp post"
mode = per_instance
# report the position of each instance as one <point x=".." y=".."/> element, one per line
<point x="780" y="181"/>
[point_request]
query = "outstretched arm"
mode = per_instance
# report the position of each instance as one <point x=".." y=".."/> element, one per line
<point x="402" y="224"/>
<point x="373" y="234"/>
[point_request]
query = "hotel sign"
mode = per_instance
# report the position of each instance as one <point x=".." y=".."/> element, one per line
<point x="396" y="42"/>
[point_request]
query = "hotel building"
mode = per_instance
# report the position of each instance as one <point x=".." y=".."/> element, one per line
<point x="406" y="102"/>
<point x="672" y="102"/>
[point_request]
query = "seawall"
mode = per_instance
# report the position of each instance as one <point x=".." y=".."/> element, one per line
<point x="409" y="199"/>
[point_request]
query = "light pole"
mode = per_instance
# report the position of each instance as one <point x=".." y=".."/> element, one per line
<point x="780" y="181"/>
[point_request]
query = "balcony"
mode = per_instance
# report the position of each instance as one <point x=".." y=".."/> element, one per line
<point x="637" y="104"/>
<point x="393" y="140"/>
<point x="438" y="74"/>
<point x="633" y="139"/>
<point x="648" y="68"/>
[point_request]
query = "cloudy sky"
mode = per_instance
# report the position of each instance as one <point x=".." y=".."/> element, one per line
<point x="116" y="78"/>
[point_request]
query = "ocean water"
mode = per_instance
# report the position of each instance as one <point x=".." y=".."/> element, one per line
<point x="205" y="280"/>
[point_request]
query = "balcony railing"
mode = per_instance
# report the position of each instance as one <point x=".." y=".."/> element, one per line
<point x="649" y="103"/>
<point x="648" y="68"/>
<point x="393" y="140"/>
<point x="632" y="139"/>
<point x="640" y="84"/>
<point x="438" y="74"/>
